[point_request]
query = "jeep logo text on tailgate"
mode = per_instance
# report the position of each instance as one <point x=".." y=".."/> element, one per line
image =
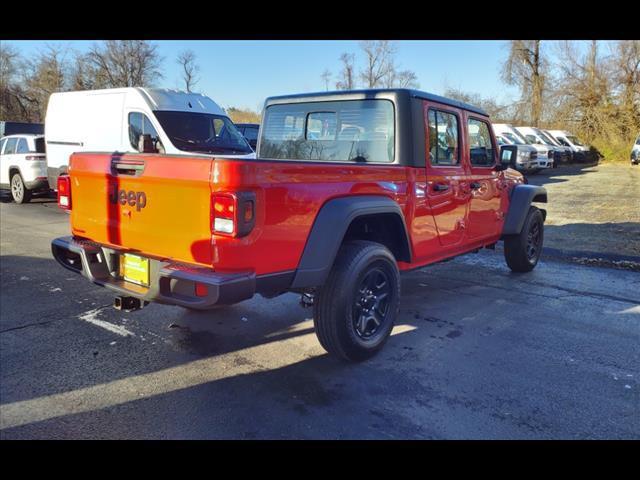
<point x="134" y="199"/>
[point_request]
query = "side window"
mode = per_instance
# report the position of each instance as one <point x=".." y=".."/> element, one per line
<point x="251" y="133"/>
<point x="11" y="146"/>
<point x="480" y="145"/>
<point x="2" y="142"/>
<point x="135" y="128"/>
<point x="139" y="124"/>
<point x="218" y="127"/>
<point x="147" y="127"/>
<point x="443" y="138"/>
<point x="22" y="146"/>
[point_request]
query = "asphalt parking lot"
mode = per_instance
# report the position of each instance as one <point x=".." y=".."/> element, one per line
<point x="478" y="352"/>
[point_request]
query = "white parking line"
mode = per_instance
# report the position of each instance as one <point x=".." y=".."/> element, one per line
<point x="91" y="317"/>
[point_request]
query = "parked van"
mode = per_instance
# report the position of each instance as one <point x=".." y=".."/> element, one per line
<point x="526" y="158"/>
<point x="635" y="152"/>
<point x="137" y="120"/>
<point x="568" y="153"/>
<point x="580" y="151"/>
<point x="560" y="154"/>
<point x="544" y="153"/>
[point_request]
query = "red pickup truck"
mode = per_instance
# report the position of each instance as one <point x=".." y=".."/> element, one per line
<point x="348" y="189"/>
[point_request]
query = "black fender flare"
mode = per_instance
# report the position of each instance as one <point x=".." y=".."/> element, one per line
<point x="521" y="198"/>
<point x="328" y="231"/>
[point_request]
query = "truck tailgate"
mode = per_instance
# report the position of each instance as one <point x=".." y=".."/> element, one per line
<point x="157" y="206"/>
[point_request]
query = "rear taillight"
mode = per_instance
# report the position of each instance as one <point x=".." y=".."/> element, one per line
<point x="64" y="192"/>
<point x="233" y="214"/>
<point x="35" y="157"/>
<point x="224" y="214"/>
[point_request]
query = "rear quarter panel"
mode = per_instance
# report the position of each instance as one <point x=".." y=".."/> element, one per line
<point x="289" y="196"/>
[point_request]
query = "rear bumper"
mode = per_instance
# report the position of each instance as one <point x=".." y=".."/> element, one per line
<point x="170" y="283"/>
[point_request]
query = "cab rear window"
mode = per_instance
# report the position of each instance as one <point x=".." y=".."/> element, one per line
<point x="346" y="131"/>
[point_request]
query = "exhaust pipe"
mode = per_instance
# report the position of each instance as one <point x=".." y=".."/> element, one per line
<point x="128" y="304"/>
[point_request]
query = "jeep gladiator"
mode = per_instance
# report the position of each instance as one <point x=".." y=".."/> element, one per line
<point x="347" y="190"/>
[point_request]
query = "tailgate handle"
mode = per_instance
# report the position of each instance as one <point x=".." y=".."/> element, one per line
<point x="131" y="167"/>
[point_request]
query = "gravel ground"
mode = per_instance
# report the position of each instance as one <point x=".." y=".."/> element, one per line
<point x="593" y="208"/>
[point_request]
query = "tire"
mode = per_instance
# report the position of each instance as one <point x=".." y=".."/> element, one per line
<point x="19" y="191"/>
<point x="522" y="251"/>
<point x="355" y="310"/>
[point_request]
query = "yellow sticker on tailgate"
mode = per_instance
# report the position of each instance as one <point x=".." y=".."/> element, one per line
<point x="136" y="269"/>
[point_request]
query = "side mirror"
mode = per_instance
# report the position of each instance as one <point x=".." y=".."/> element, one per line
<point x="146" y="144"/>
<point x="508" y="155"/>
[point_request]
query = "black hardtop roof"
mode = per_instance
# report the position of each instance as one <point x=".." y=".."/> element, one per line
<point x="370" y="93"/>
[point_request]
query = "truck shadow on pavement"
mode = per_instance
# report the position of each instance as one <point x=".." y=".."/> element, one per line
<point x="553" y="175"/>
<point x="316" y="397"/>
<point x="609" y="240"/>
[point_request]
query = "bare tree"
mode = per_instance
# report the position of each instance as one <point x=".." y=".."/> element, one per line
<point x="401" y="79"/>
<point x="584" y="92"/>
<point x="9" y="63"/>
<point x="490" y="105"/>
<point x="624" y="66"/>
<point x="27" y="85"/>
<point x="187" y="60"/>
<point x="347" y="76"/>
<point x="85" y="75"/>
<point x="11" y="107"/>
<point x="326" y="78"/>
<point x="126" y="63"/>
<point x="378" y="62"/>
<point x="525" y="67"/>
<point x="379" y="69"/>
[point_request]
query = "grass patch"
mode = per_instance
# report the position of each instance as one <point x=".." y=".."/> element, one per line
<point x="613" y="151"/>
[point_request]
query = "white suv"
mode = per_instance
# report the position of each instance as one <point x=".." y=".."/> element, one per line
<point x="23" y="166"/>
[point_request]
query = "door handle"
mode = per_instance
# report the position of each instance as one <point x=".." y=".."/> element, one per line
<point x="475" y="185"/>
<point x="440" y="187"/>
<point x="127" y="167"/>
